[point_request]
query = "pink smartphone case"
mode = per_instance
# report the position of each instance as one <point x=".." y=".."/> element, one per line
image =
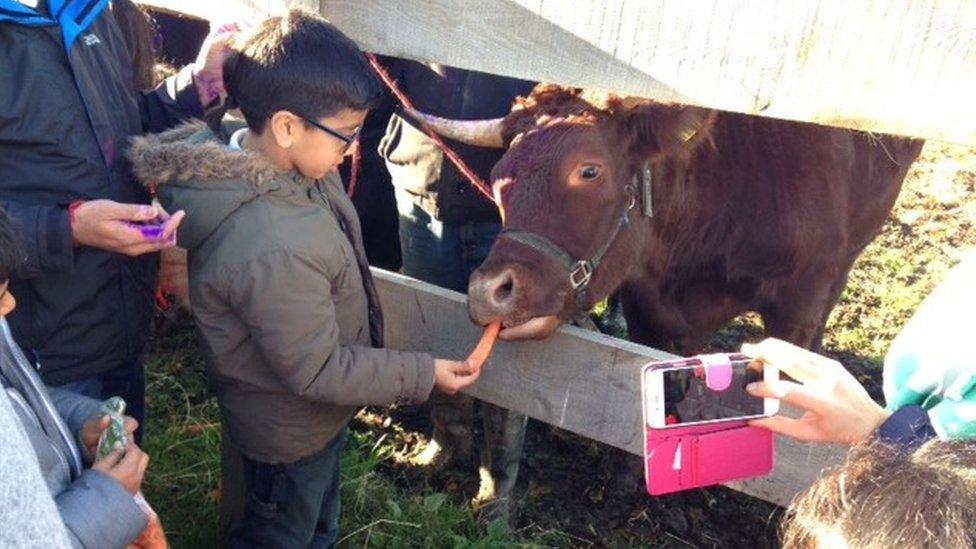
<point x="681" y="458"/>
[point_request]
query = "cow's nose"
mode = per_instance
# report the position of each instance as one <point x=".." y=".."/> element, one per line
<point x="493" y="296"/>
<point x="501" y="291"/>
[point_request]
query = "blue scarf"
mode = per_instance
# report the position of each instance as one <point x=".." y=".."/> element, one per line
<point x="73" y="16"/>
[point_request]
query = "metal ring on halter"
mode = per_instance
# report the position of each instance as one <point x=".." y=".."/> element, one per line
<point x="580" y="274"/>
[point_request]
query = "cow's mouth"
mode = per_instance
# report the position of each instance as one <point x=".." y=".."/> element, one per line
<point x="539" y="327"/>
<point x="500" y="295"/>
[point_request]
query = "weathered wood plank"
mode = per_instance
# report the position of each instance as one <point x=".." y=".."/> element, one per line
<point x="896" y="67"/>
<point x="227" y="10"/>
<point x="580" y="381"/>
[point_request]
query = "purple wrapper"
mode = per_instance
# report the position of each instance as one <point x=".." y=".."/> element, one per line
<point x="152" y="232"/>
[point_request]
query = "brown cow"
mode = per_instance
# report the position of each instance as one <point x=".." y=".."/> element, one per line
<point x="694" y="216"/>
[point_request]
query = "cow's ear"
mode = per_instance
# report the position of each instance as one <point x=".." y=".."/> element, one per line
<point x="659" y="129"/>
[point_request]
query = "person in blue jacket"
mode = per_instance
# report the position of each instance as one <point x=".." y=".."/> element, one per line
<point x="929" y="378"/>
<point x="447" y="229"/>
<point x="67" y="110"/>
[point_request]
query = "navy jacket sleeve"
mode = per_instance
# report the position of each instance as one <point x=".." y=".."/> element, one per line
<point x="45" y="236"/>
<point x="46" y="229"/>
<point x="174" y="101"/>
<point x="908" y="427"/>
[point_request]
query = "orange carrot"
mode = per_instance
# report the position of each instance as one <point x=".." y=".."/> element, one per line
<point x="480" y="354"/>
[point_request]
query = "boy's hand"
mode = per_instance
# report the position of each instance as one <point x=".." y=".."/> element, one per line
<point x="107" y="225"/>
<point x="451" y="376"/>
<point x="127" y="470"/>
<point x="836" y="407"/>
<point x="91" y="431"/>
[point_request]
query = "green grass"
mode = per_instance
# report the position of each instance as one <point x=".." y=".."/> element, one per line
<point x="377" y="513"/>
<point x="183" y="436"/>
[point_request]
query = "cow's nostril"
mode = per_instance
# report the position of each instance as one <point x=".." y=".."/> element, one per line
<point x="503" y="291"/>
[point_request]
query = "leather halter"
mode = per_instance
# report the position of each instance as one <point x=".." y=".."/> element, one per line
<point x="581" y="270"/>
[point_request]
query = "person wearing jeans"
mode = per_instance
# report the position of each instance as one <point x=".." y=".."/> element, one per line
<point x="447" y="229"/>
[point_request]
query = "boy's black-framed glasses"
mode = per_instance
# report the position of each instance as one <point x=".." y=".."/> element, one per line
<point x="347" y="139"/>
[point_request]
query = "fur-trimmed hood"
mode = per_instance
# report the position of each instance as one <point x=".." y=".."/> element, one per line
<point x="194" y="171"/>
<point x="192" y="153"/>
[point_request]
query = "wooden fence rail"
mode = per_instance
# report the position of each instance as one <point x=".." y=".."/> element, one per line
<point x="581" y="381"/>
<point x="906" y="67"/>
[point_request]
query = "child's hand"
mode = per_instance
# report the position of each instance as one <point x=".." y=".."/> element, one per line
<point x="208" y="70"/>
<point x="450" y="376"/>
<point x="128" y="470"/>
<point x="836" y="407"/>
<point x="91" y="432"/>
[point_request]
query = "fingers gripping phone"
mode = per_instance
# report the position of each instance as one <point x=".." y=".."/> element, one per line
<point x="678" y="395"/>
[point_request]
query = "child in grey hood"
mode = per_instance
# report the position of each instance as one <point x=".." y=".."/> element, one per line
<point x="95" y="504"/>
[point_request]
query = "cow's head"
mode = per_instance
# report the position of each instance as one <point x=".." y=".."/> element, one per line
<point x="570" y="180"/>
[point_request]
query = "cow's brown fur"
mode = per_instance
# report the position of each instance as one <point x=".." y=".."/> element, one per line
<point x="750" y="214"/>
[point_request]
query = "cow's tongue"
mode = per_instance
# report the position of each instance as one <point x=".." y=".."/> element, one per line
<point x="539" y="327"/>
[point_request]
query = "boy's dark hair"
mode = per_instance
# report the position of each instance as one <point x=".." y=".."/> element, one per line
<point x="300" y="63"/>
<point x="11" y="251"/>
<point x="885" y="496"/>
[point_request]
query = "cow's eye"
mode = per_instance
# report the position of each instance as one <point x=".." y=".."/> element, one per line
<point x="590" y="171"/>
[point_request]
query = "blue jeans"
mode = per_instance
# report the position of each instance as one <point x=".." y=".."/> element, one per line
<point x="444" y="254"/>
<point x="128" y="381"/>
<point x="292" y="504"/>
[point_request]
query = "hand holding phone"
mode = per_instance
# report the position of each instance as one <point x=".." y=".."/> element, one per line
<point x="836" y="406"/>
<point x="678" y="394"/>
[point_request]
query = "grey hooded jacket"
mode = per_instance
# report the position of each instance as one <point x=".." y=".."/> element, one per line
<point x="281" y="292"/>
<point x="97" y="511"/>
<point x="28" y="514"/>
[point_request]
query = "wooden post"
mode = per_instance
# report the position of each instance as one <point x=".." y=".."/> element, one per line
<point x="581" y="381"/>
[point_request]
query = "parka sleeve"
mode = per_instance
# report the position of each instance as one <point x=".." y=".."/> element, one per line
<point x="907" y="427"/>
<point x="28" y="514"/>
<point x="285" y="300"/>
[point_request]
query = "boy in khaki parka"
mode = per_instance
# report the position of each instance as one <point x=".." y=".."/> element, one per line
<point x="278" y="278"/>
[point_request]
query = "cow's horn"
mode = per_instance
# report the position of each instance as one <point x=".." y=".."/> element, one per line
<point x="481" y="133"/>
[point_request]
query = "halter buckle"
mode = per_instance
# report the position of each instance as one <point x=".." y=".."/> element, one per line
<point x="581" y="274"/>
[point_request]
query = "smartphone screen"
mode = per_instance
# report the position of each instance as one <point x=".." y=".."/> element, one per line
<point x="687" y="398"/>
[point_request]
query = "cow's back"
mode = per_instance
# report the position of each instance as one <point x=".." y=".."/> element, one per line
<point x="769" y="196"/>
<point x="768" y="215"/>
